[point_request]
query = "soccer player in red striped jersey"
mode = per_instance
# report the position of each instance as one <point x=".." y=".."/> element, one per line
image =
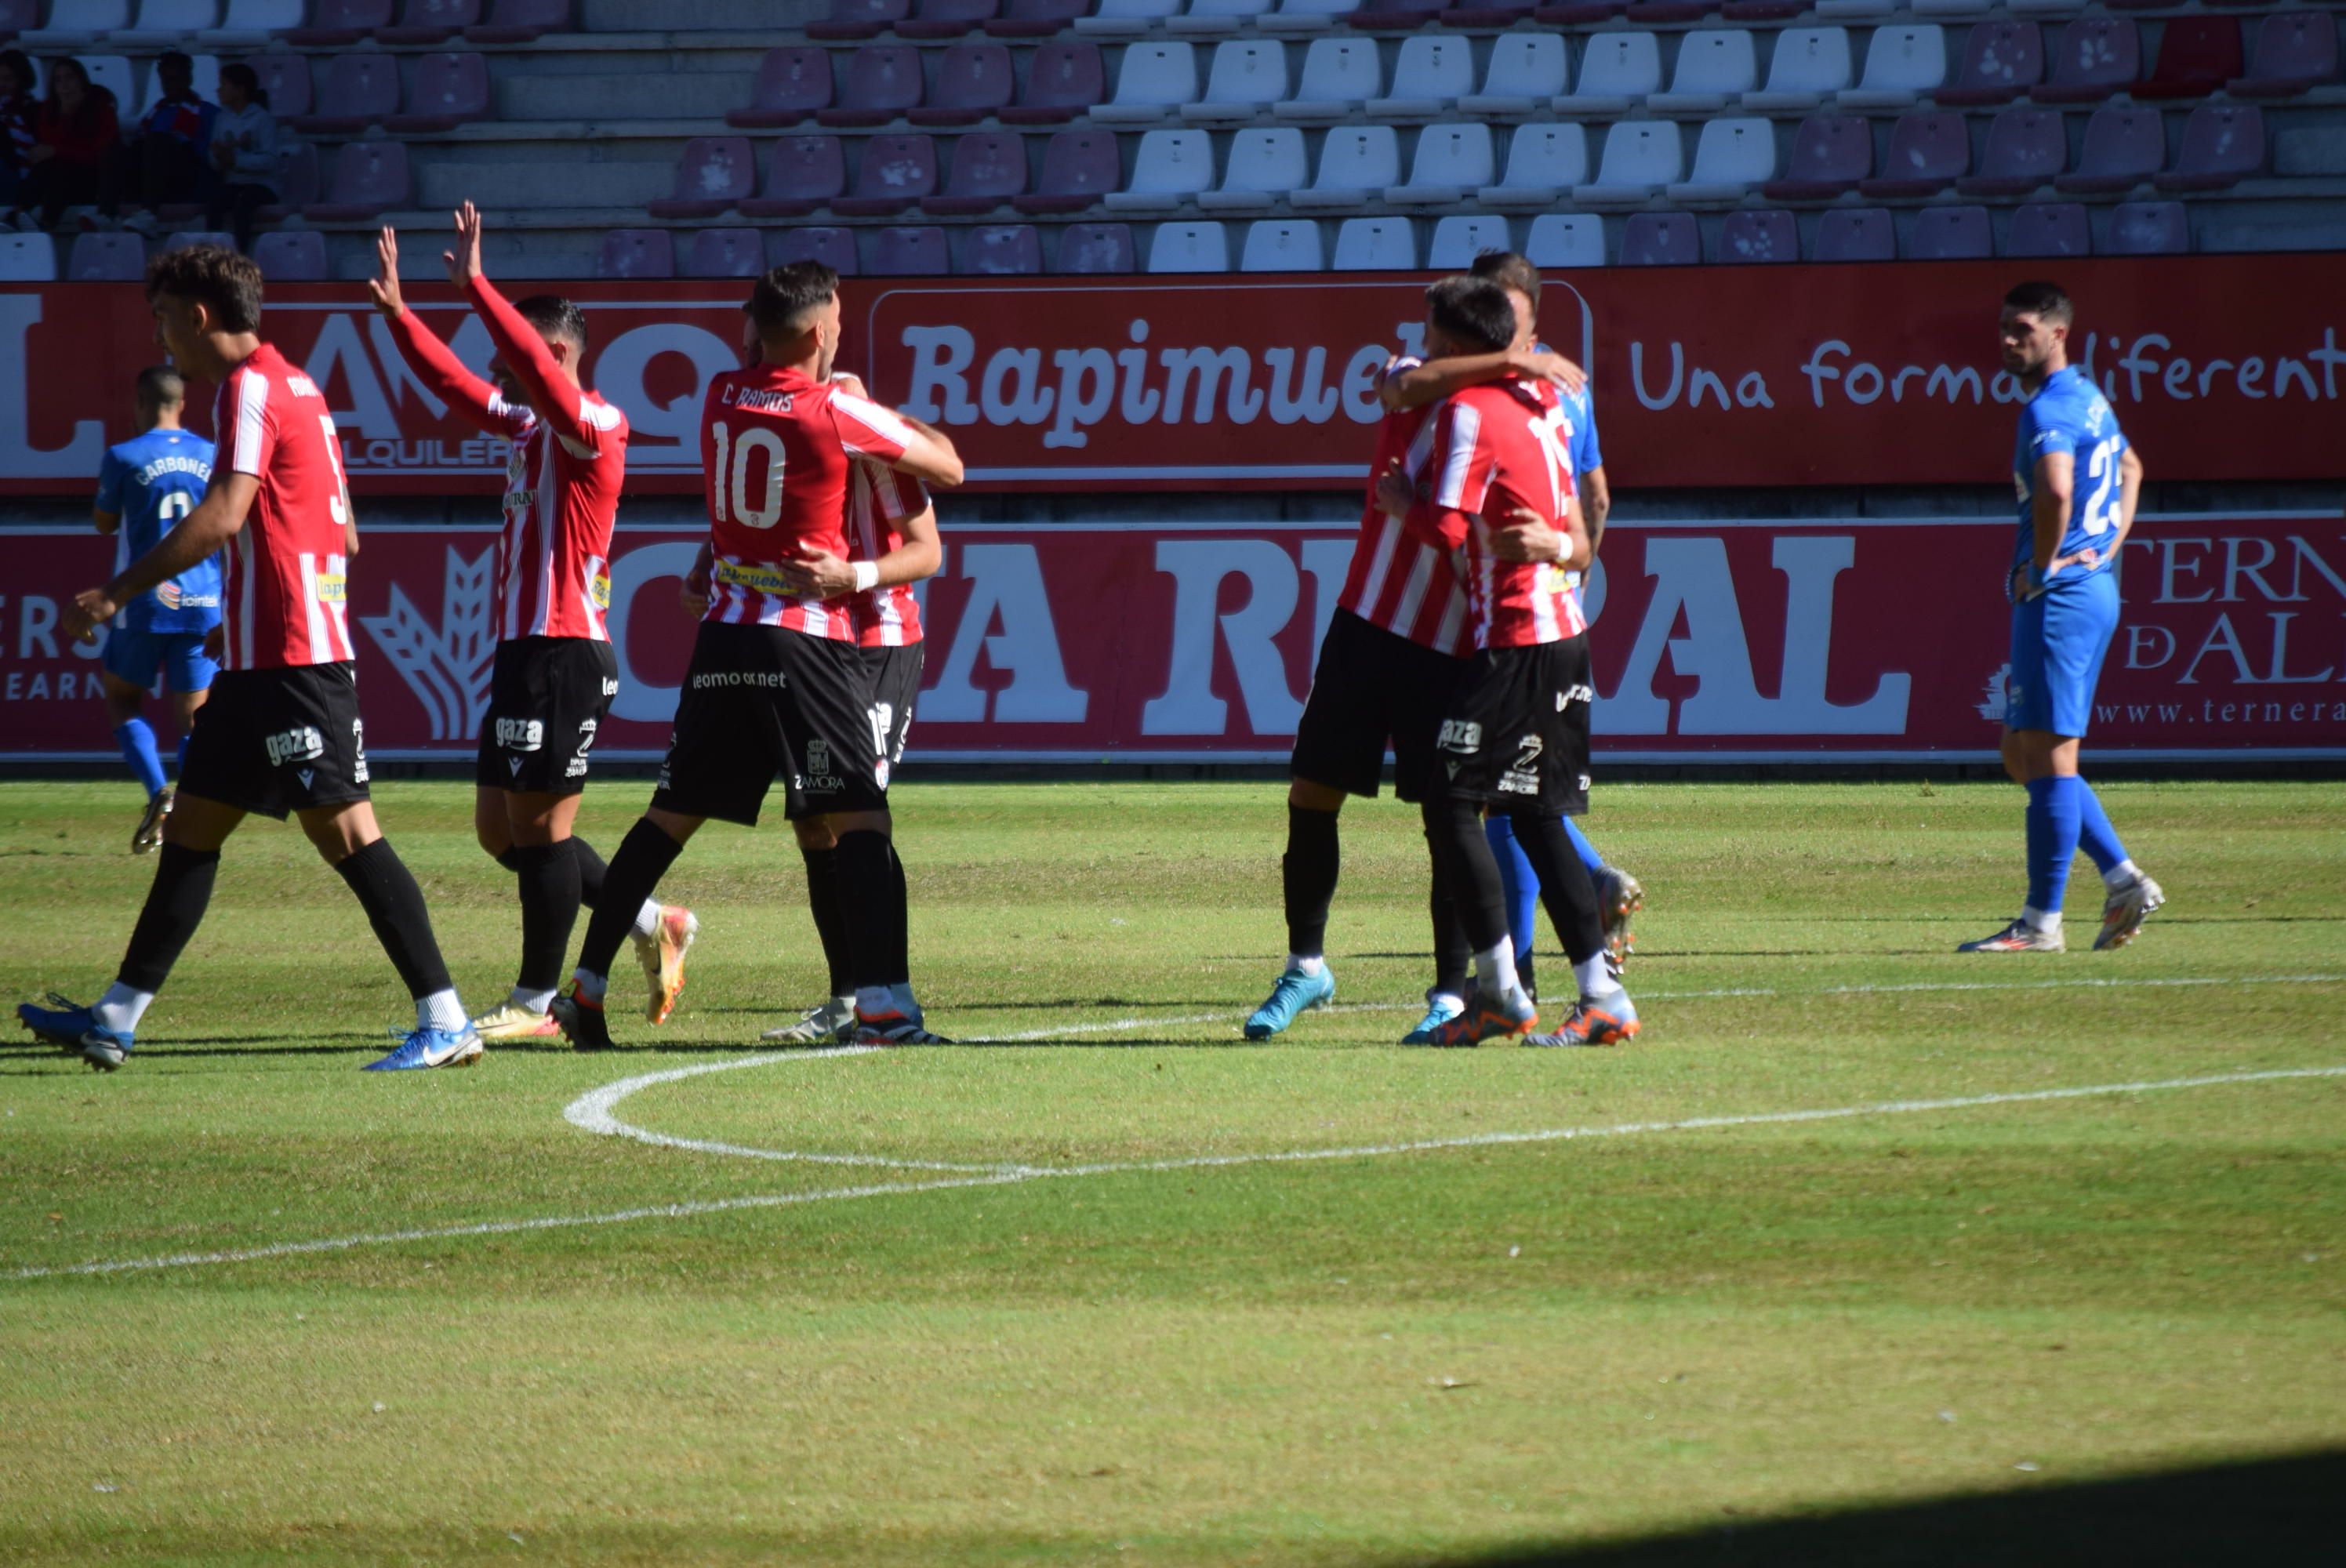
<point x="281" y="733"/>
<point x="555" y="673"/>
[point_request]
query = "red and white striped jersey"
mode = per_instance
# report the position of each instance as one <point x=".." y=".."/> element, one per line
<point x="878" y="499"/>
<point x="286" y="598"/>
<point x="1403" y="575"/>
<point x="1499" y="446"/>
<point x="563" y="478"/>
<point x="776" y="446"/>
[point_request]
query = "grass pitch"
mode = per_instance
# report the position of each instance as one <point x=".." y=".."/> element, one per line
<point x="1911" y="1332"/>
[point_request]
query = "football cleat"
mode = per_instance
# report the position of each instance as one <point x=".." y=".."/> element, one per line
<point x="2125" y="912"/>
<point x="1295" y="993"/>
<point x="1619" y="895"/>
<point x="150" y="836"/>
<point x="662" y="956"/>
<point x="581" y="1021"/>
<point x="2017" y="937"/>
<point x="1607" y="1022"/>
<point x="1486" y="1018"/>
<point x="832" y="1024"/>
<point x="423" y="1048"/>
<point x="1440" y="1009"/>
<point x="893" y="1029"/>
<point x="514" y="1022"/>
<point x="71" y="1026"/>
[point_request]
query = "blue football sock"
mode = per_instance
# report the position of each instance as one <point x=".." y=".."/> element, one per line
<point x="2095" y="834"/>
<point x="182" y="769"/>
<point x="1521" y="881"/>
<point x="1583" y="848"/>
<point x="138" y="741"/>
<point x="2053" y="811"/>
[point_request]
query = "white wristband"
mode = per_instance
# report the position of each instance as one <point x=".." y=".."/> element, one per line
<point x="867" y="575"/>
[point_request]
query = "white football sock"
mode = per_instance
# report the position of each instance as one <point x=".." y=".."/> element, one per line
<point x="2038" y="919"/>
<point x="2125" y="874"/>
<point x="534" y="1001"/>
<point x="590" y="986"/>
<point x="441" y="1010"/>
<point x="1596" y="979"/>
<point x="647" y="920"/>
<point x="875" y="1001"/>
<point x="1494" y="970"/>
<point x="1312" y="965"/>
<point x="121" y="1007"/>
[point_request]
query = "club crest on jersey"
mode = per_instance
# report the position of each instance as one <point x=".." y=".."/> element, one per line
<point x="520" y="734"/>
<point x="300" y="744"/>
<point x="447" y="665"/>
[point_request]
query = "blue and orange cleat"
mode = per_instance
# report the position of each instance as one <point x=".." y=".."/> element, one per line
<point x="1486" y="1018"/>
<point x="1609" y="1022"/>
<point x="1440" y="1009"/>
<point x="71" y="1026"/>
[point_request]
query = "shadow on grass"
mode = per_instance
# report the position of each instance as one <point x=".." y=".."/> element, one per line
<point x="2281" y="1511"/>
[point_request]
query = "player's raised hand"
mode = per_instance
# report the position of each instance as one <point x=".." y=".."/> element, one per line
<point x="1394" y="495"/>
<point x="819" y="575"/>
<point x="383" y="288"/>
<point x="1541" y="365"/>
<point x="463" y="262"/>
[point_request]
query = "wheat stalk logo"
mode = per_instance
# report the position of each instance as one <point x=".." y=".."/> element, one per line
<point x="446" y="667"/>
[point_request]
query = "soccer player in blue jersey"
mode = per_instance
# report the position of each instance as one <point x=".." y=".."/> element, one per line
<point x="144" y="487"/>
<point x="2077" y="481"/>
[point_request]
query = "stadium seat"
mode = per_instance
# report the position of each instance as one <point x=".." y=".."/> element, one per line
<point x="77" y="23"/>
<point x="1170" y="167"/>
<point x="28" y="257"/>
<point x="2148" y="229"/>
<point x="1356" y="164"/>
<point x="447" y="91"/>
<point x="2197" y="56"/>
<point x="879" y="83"/>
<point x="1452" y="162"/>
<point x="715" y="173"/>
<point x="1079" y="169"/>
<point x="519" y="21"/>
<point x="806" y="173"/>
<point x="989" y="167"/>
<point x="105" y="259"/>
<point x="2044" y="8"/>
<point x="834" y="248"/>
<point x="1716" y="66"/>
<point x="1566" y="240"/>
<point x="1809" y="65"/>
<point x="1488" y="13"/>
<point x="1667" y="12"/>
<point x="2026" y="147"/>
<point x="1154" y="80"/>
<point x="2049" y="229"/>
<point x="206" y="81"/>
<point x="1374" y="245"/>
<point x="1280" y="245"/>
<point x="859" y="18"/>
<point x="369" y="179"/>
<point x="1745" y="237"/>
<point x="1661" y="240"/>
<point x="286" y="80"/>
<point x="1953" y="10"/>
<point x="1189" y="247"/>
<point x="1730" y="156"/>
<point x="1616" y="71"/>
<point x="793" y="82"/>
<point x="1247" y="76"/>
<point x="167" y="24"/>
<point x="1857" y="10"/>
<point x="637" y="253"/>
<point x="2097" y="57"/>
<point x="291" y="256"/>
<point x="1213" y="17"/>
<point x="895" y="172"/>
<point x="1087" y="249"/>
<point x="1856" y="234"/>
<point x="186" y="239"/>
<point x="1458" y="240"/>
<point x="430" y="21"/>
<point x="1004" y="251"/>
<point x="1526" y="70"/>
<point x="1037" y="18"/>
<point x="2222" y="144"/>
<point x="1902" y="65"/>
<point x="358" y="91"/>
<point x="1125" y="18"/>
<point x="1928" y="151"/>
<point x="2125" y="146"/>
<point x="298" y="183"/>
<point x="1340" y="75"/>
<point x="974" y="81"/>
<point x="1831" y="153"/>
<point x="911" y="253"/>
<point x="1950" y="234"/>
<point x="336" y="23"/>
<point x="1305" y="16"/>
<point x="723" y="253"/>
<point x="1395" y="16"/>
<point x="2296" y="50"/>
<point x="946" y="18"/>
<point x="1641" y="156"/>
<point x="248" y="24"/>
<point x="1430" y="76"/>
<point x="1062" y="80"/>
<point x="1265" y="164"/>
<point x="2002" y="60"/>
<point x="1544" y="161"/>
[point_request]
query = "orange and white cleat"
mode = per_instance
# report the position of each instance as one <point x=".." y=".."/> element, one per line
<point x="1619" y="895"/>
<point x="662" y="956"/>
<point x="1610" y="1022"/>
<point x="2127" y="908"/>
<point x="2018" y="937"/>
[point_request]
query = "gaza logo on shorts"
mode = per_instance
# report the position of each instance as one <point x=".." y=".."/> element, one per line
<point x="1459" y="735"/>
<point x="300" y="744"/>
<point x="520" y="734"/>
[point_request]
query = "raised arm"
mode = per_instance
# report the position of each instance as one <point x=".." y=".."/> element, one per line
<point x="557" y="399"/>
<point x="433" y="362"/>
<point x="905" y="444"/>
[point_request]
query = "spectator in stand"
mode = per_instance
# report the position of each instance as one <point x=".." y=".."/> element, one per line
<point x="20" y="126"/>
<point x="75" y="161"/>
<point x="245" y="152"/>
<point x="165" y="163"/>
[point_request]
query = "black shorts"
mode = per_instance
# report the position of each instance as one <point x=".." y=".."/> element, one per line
<point x="278" y="742"/>
<point x="1371" y="686"/>
<point x="1517" y="729"/>
<point x="758" y="703"/>
<point x="547" y="697"/>
<point x="893" y="676"/>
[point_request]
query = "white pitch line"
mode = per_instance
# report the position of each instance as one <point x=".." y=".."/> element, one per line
<point x="1194" y="1162"/>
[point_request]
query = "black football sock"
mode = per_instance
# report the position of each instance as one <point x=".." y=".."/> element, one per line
<point x="549" y="907"/>
<point x="1566" y="887"/>
<point x="899" y="935"/>
<point x="1308" y="871"/>
<point x="591" y="870"/>
<point x="1454" y="829"/>
<point x="175" y="907"/>
<point x="634" y="875"/>
<point x="829" y="924"/>
<point x="395" y="907"/>
<point x="1452" y="955"/>
<point x="866" y="897"/>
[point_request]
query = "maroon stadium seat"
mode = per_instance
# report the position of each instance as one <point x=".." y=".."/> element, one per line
<point x="1004" y="251"/>
<point x="336" y="23"/>
<point x="430" y="21"/>
<point x="1758" y="236"/>
<point x="2148" y="229"/>
<point x="2003" y="59"/>
<point x="1950" y="234"/>
<point x="369" y="179"/>
<point x="1393" y="15"/>
<point x="1668" y="12"/>
<point x="2097" y="57"/>
<point x="860" y="18"/>
<point x="2026" y="147"/>
<point x="1490" y="14"/>
<point x="2049" y="229"/>
<point x="18" y="17"/>
<point x="724" y="253"/>
<point x="1831" y="153"/>
<point x="1037" y="18"/>
<point x="834" y="248"/>
<point x="448" y="90"/>
<point x="637" y="253"/>
<point x="1087" y="249"/>
<point x="807" y="173"/>
<point x="2197" y="56"/>
<point x="1762" y="10"/>
<point x="291" y="256"/>
<point x="896" y="172"/>
<point x="1857" y="234"/>
<point x="881" y="82"/>
<point x="973" y="80"/>
<point x="1661" y="240"/>
<point x="2222" y="144"/>
<point x="1080" y="167"/>
<point x="106" y="258"/>
<point x="358" y="91"/>
<point x="793" y="82"/>
<point x="2142" y="5"/>
<point x="520" y="20"/>
<point x="286" y="80"/>
<point x="911" y="253"/>
<point x="989" y="167"/>
<point x="946" y="18"/>
<point x="1580" y="13"/>
<point x="1062" y="80"/>
<point x="2295" y="50"/>
<point x="1929" y="149"/>
<point x="297" y="184"/>
<point x="716" y="172"/>
<point x="2126" y="145"/>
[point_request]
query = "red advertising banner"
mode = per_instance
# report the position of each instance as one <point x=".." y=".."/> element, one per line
<point x="1738" y="642"/>
<point x="2221" y="367"/>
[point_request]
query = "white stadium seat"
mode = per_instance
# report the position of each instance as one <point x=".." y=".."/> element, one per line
<point x="1811" y="64"/>
<point x="1154" y="80"/>
<point x="28" y="259"/>
<point x="160" y="24"/>
<point x="1281" y="245"/>
<point x="1641" y="156"/>
<point x="1375" y="245"/>
<point x="1356" y="164"/>
<point x="1305" y="16"/>
<point x="1170" y="166"/>
<point x="1544" y="162"/>
<point x="1458" y="240"/>
<point x="1616" y="74"/>
<point x="249" y="22"/>
<point x="1902" y="64"/>
<point x="1217" y="16"/>
<point x="1247" y="76"/>
<point x="77" y="23"/>
<point x="1189" y="247"/>
<point x="1715" y="65"/>
<point x="1730" y="158"/>
<point x="1117" y="18"/>
<point x="1340" y="75"/>
<point x="1265" y="164"/>
<point x="1526" y="70"/>
<point x="1566" y="240"/>
<point x="1452" y="162"/>
<point x="1431" y="75"/>
<point x="1859" y="10"/>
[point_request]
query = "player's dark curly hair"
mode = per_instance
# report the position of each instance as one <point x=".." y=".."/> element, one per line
<point x="780" y="299"/>
<point x="555" y="316"/>
<point x="1473" y="311"/>
<point x="1509" y="270"/>
<point x="2048" y="303"/>
<point x="222" y="281"/>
